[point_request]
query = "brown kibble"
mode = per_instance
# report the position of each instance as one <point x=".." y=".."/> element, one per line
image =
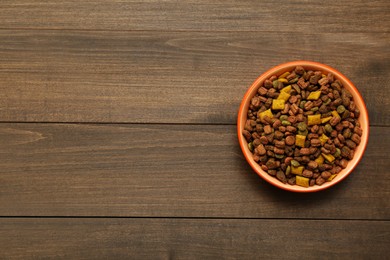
<point x="271" y="164"/>
<point x="308" y="105"/>
<point x="346" y="152"/>
<point x="334" y="121"/>
<point x="261" y="150"/>
<point x="247" y="135"/>
<point x="339" y="127"/>
<point x="281" y="176"/>
<point x="343" y="163"/>
<point x="313" y="150"/>
<point x="314" y="128"/>
<point x="262" y="91"/>
<point x="304" y="151"/>
<point x="358" y="130"/>
<point x="294" y="108"/>
<point x="286" y="109"/>
<point x="356" y="138"/>
<point x="288" y="160"/>
<point x="291" y="129"/>
<point x="293" y="99"/>
<point x="278" y="135"/>
<point x="280" y="144"/>
<point x="278" y="150"/>
<point x="315" y="142"/>
<point x="324" y="150"/>
<point x="335" y="170"/>
<point x="268" y="84"/>
<point x="315" y="78"/>
<point x="341" y="138"/>
<point x="312" y="136"/>
<point x="307" y="173"/>
<point x="290" y="140"/>
<point x="256" y="157"/>
<point x="291" y="180"/>
<point x="255" y="135"/>
<point x="351" y="144"/>
<point x="299" y="70"/>
<point x="292" y="119"/>
<point x="312" y="182"/>
<point x="267" y="129"/>
<point x="337" y="102"/>
<point x="264" y="167"/>
<point x="276" y="124"/>
<point x="272" y="172"/>
<point x="282" y="129"/>
<point x="312" y="165"/>
<point x="325" y="175"/>
<point x="256" y="142"/>
<point x="320" y="181"/>
<point x="300" y="118"/>
<point x="263" y="140"/>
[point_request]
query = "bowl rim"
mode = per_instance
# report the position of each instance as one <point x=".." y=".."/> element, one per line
<point x="279" y="69"/>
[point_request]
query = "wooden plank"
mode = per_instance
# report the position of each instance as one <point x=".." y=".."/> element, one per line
<point x="167" y="170"/>
<point x="169" y="77"/>
<point x="193" y="239"/>
<point x="250" y="15"/>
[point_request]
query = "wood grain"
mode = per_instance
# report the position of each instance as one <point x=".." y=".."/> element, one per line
<point x="169" y="77"/>
<point x="193" y="239"/>
<point x="195" y="15"/>
<point x="167" y="171"/>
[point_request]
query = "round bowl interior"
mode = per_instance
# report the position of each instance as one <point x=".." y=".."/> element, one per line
<point x="308" y="65"/>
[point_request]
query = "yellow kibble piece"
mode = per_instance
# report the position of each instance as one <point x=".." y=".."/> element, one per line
<point x="278" y="104"/>
<point x="328" y="157"/>
<point x="323" y="75"/>
<point x="314" y="95"/>
<point x="331" y="177"/>
<point x="334" y="113"/>
<point x="283" y="80"/>
<point x="300" y="140"/>
<point x="325" y="119"/>
<point x="286" y="89"/>
<point x="323" y="139"/>
<point x="284" y="75"/>
<point x="320" y="160"/>
<point x="268" y="113"/>
<point x="297" y="170"/>
<point x="284" y="96"/>
<point x="302" y="181"/>
<point x="314" y="119"/>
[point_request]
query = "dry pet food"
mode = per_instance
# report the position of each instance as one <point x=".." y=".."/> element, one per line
<point x="302" y="127"/>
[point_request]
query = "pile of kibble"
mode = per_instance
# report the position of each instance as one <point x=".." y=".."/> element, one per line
<point x="302" y="127"/>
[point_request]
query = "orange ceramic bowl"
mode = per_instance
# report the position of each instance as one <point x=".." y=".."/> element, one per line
<point x="308" y="65"/>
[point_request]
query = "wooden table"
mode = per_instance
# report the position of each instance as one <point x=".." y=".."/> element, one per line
<point x="118" y="136"/>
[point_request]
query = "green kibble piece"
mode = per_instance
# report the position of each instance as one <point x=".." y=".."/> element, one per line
<point x="279" y="156"/>
<point x="337" y="153"/>
<point x="314" y="109"/>
<point x="302" y="104"/>
<point x="302" y="126"/>
<point x="295" y="163"/>
<point x="286" y="123"/>
<point x="328" y="128"/>
<point x="250" y="146"/>
<point x="283" y="117"/>
<point x="294" y="80"/>
<point x="275" y="83"/>
<point x="327" y="102"/>
<point x="340" y="109"/>
<point x="288" y="170"/>
<point x="305" y="133"/>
